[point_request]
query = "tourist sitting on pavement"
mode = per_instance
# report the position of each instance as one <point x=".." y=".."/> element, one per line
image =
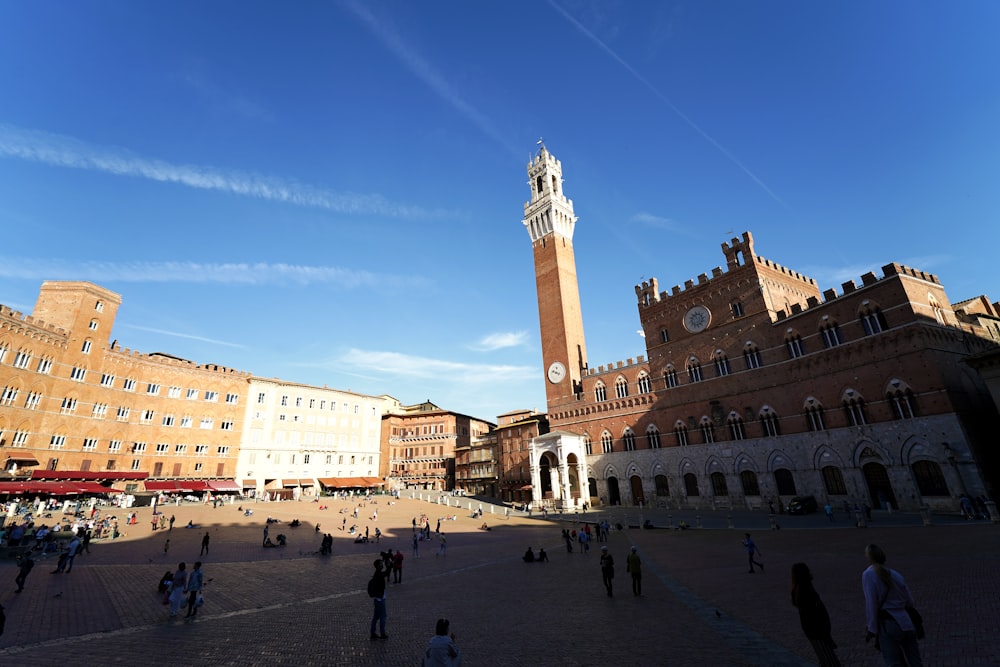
<point x="295" y="523"/>
<point x="484" y="526"/>
<point x="682" y="525"/>
<point x="529" y="556"/>
<point x="192" y="524"/>
<point x="281" y="540"/>
<point x="542" y="556"/>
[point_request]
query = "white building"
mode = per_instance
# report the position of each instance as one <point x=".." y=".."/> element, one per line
<point x="299" y="439"/>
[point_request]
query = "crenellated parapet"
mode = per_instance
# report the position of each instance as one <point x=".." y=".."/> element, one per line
<point x="16" y="321"/>
<point x="615" y="367"/>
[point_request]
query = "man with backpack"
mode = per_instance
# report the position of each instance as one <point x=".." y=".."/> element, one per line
<point x="376" y="591"/>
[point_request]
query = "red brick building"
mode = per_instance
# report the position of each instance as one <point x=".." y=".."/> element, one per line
<point x="757" y="386"/>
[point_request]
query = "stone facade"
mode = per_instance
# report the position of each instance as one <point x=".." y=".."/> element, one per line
<point x="756" y="386"/>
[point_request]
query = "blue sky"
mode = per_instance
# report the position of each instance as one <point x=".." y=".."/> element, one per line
<point x="331" y="192"/>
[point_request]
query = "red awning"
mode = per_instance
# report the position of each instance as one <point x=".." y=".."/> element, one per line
<point x="350" y="482"/>
<point x="224" y="485"/>
<point x="194" y="485"/>
<point x="11" y="488"/>
<point x="94" y="487"/>
<point x="160" y="486"/>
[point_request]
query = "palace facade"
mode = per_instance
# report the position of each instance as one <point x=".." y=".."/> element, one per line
<point x="757" y="386"/>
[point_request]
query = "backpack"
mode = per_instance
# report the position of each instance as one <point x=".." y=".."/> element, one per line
<point x="375" y="590"/>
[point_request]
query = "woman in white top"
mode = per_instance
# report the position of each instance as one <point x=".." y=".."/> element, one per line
<point x="888" y="622"/>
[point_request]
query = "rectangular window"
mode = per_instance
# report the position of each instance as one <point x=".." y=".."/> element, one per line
<point x="78" y="374"/>
<point x="44" y="365"/>
<point x="223" y="451"/>
<point x="162" y="448"/>
<point x="128" y="384"/>
<point x="180" y="449"/>
<point x="86" y="347"/>
<point x="298" y="401"/>
<point x="795" y="348"/>
<point x="206" y="423"/>
<point x="152" y="389"/>
<point x="31" y="402"/>
<point x="68" y="406"/>
<point x="305" y="458"/>
<point x="198" y="467"/>
<point x="138" y="447"/>
<point x="186" y="422"/>
<point x="312" y="402"/>
<point x="111" y="464"/>
<point x="737" y="308"/>
<point x="212" y="396"/>
<point x="192" y="394"/>
<point x="57" y="442"/>
<point x="322" y="405"/>
<point x="174" y="392"/>
<point x="168" y="420"/>
<point x="284" y="400"/>
<point x="227" y="425"/>
<point x="20" y="439"/>
<point x="232" y="399"/>
<point x="93" y="325"/>
<point x="100" y="410"/>
<point x="114" y="446"/>
<point x="200" y="450"/>
<point x="261" y="397"/>
<point x="123" y="413"/>
<point x="281" y="418"/>
<point x="136" y="464"/>
<point x="107" y="380"/>
<point x="89" y="444"/>
<point x="147" y="416"/>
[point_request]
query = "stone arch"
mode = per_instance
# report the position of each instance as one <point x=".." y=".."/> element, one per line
<point x="713" y="464"/>
<point x="779" y="459"/>
<point x="917" y="448"/>
<point x="865" y="450"/>
<point x="745" y="462"/>
<point x="825" y="455"/>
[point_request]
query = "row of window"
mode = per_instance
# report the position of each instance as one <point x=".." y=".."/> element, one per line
<point x="313" y="403"/>
<point x="927" y="475"/>
<point x="58" y="441"/>
<point x="900" y="400"/>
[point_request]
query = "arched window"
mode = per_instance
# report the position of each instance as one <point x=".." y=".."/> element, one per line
<point x="670" y="376"/>
<point x="707" y="430"/>
<point x="736" y="430"/>
<point x="872" y="319"/>
<point x="621" y="387"/>
<point x="814" y="415"/>
<point x="748" y="480"/>
<point x="694" y="369"/>
<point x="691" y="484"/>
<point x="751" y="356"/>
<point x="719" y="486"/>
<point x="901" y="400"/>
<point x="930" y="481"/>
<point x="628" y="440"/>
<point x="664" y="336"/>
<point x="784" y="482"/>
<point x="600" y="392"/>
<point x="833" y="479"/>
<point x="721" y="364"/>
<point x="606" y="442"/>
<point x="662" y="486"/>
<point x="587" y="444"/>
<point x="793" y="343"/>
<point x="936" y="307"/>
<point x="643" y="384"/>
<point x="681" y="431"/>
<point x="829" y="331"/>
<point x="854" y="406"/>
<point x="769" y="425"/>
<point x="653" y="436"/>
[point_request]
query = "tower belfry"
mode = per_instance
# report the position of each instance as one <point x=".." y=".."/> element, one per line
<point x="550" y="222"/>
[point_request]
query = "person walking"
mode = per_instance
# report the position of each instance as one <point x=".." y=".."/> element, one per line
<point x="813" y="616"/>
<point x="397" y="567"/>
<point x="172" y="519"/>
<point x="195" y="584"/>
<point x="442" y="651"/>
<point x="177" y="587"/>
<point x="266" y="531"/>
<point x="166" y="547"/>
<point x="376" y="591"/>
<point x="443" y="546"/>
<point x="752" y="551"/>
<point x="416" y="547"/>
<point x="633" y="565"/>
<point x="204" y="544"/>
<point x="24" y="565"/>
<point x="607" y="569"/>
<point x="888" y="621"/>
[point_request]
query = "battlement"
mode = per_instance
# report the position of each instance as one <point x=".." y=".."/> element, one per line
<point x="615" y="367"/>
<point x="30" y="321"/>
<point x="850" y="286"/>
<point x="774" y="266"/>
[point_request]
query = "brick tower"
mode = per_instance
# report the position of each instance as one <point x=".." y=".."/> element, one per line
<point x="550" y="220"/>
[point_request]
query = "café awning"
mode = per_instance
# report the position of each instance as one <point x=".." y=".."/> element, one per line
<point x="224" y="485"/>
<point x="350" y="482"/>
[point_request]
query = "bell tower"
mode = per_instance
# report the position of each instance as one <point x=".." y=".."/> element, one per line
<point x="550" y="221"/>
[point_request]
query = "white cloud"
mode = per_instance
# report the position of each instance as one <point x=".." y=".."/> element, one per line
<point x="410" y="366"/>
<point x="656" y="221"/>
<point x="63" y="151"/>
<point x="498" y="341"/>
<point x="236" y="273"/>
<point x="177" y="334"/>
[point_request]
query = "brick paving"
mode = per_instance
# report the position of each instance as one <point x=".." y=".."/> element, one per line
<point x="699" y="606"/>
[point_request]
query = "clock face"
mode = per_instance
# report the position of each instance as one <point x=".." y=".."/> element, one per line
<point x="697" y="319"/>
<point x="557" y="372"/>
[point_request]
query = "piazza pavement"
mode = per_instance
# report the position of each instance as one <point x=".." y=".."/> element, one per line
<point x="291" y="606"/>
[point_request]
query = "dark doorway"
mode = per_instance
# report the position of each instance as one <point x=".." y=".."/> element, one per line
<point x="614" y="494"/>
<point x="638" y="497"/>
<point x="879" y="487"/>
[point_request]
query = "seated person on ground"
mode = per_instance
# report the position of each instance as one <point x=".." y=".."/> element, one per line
<point x="529" y="556"/>
<point x="484" y="527"/>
